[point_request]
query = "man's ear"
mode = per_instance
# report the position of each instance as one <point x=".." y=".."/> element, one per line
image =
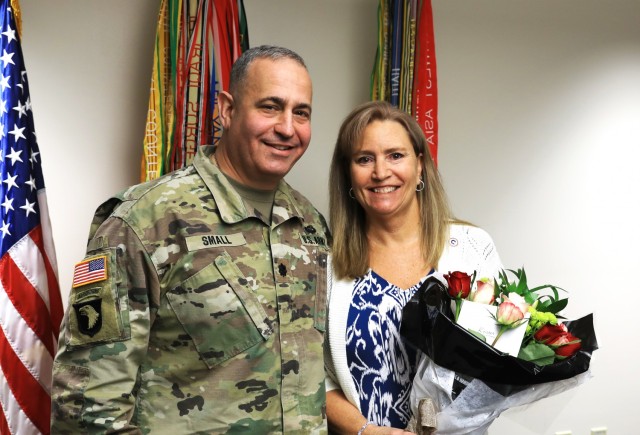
<point x="225" y="108"/>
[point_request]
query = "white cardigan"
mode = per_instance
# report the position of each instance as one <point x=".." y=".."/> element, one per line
<point x="469" y="249"/>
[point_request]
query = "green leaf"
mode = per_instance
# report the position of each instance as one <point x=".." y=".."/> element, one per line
<point x="504" y="280"/>
<point x="529" y="298"/>
<point x="544" y="302"/>
<point x="537" y="353"/>
<point x="522" y="282"/>
<point x="478" y="335"/>
<point x="542" y="305"/>
<point x="546" y="299"/>
<point x="553" y="288"/>
<point x="557" y="306"/>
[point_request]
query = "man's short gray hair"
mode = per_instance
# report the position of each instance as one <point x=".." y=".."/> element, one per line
<point x="241" y="65"/>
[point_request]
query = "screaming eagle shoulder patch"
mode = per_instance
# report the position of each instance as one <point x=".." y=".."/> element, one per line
<point x="89" y="316"/>
<point x="95" y="315"/>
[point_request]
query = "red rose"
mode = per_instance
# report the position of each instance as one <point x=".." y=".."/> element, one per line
<point x="550" y="332"/>
<point x="563" y="343"/>
<point x="459" y="284"/>
<point x="566" y="345"/>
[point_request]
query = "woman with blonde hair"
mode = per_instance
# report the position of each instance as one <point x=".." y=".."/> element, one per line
<point x="392" y="227"/>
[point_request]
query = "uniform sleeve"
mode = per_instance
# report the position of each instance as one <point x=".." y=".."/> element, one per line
<point x="104" y="335"/>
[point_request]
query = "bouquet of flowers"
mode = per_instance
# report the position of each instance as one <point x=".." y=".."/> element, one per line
<point x="489" y="345"/>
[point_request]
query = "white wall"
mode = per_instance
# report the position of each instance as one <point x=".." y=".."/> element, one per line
<point x="89" y="69"/>
<point x="539" y="139"/>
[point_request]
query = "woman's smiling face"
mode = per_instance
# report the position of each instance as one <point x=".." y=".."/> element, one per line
<point x="385" y="171"/>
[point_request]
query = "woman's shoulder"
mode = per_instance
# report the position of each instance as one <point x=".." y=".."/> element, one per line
<point x="470" y="248"/>
<point x="464" y="232"/>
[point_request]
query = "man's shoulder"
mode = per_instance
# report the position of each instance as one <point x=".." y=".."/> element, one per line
<point x="174" y="183"/>
<point x="176" y="189"/>
<point x="180" y="187"/>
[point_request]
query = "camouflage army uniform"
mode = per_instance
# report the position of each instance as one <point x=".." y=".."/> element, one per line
<point x="207" y="320"/>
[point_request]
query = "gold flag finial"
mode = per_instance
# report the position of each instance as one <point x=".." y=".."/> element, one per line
<point x="17" y="16"/>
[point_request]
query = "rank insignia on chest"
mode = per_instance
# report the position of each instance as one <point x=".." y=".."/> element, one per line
<point x="90" y="270"/>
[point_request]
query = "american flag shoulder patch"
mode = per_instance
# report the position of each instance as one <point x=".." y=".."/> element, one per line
<point x="90" y="270"/>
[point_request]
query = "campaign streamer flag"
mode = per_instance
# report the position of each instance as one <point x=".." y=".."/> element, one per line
<point x="425" y="80"/>
<point x="30" y="302"/>
<point x="197" y="41"/>
<point x="379" y="86"/>
<point x="397" y="42"/>
<point x="404" y="71"/>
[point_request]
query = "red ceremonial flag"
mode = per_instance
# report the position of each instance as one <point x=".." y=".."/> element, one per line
<point x="425" y="83"/>
<point x="30" y="303"/>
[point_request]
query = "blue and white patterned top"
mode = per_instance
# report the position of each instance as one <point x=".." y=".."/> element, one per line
<point x="381" y="366"/>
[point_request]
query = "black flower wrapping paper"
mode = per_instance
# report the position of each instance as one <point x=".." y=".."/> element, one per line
<point x="497" y="381"/>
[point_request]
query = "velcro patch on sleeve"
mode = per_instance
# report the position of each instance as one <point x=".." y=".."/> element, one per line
<point x="90" y="270"/>
<point x="94" y="306"/>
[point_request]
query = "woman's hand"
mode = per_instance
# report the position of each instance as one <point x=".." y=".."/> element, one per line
<point x="344" y="418"/>
<point x="372" y="429"/>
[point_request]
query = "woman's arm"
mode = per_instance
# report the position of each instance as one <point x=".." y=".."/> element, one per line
<point x="344" y="418"/>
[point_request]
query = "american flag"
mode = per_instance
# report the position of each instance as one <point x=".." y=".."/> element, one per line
<point x="30" y="302"/>
<point x="90" y="270"/>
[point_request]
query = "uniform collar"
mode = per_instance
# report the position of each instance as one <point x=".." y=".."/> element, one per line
<point x="230" y="204"/>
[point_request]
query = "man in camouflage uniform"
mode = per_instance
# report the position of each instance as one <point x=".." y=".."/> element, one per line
<point x="200" y="304"/>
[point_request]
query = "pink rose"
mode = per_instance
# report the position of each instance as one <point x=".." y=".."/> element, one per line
<point x="509" y="316"/>
<point x="517" y="300"/>
<point x="509" y="313"/>
<point x="485" y="292"/>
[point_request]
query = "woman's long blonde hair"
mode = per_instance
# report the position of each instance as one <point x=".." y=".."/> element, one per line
<point x="347" y="217"/>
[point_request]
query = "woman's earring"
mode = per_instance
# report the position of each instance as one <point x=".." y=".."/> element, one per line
<point x="420" y="187"/>
<point x="351" y="195"/>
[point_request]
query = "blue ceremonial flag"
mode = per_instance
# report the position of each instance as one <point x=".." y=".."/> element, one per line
<point x="30" y="302"/>
<point x="396" y="51"/>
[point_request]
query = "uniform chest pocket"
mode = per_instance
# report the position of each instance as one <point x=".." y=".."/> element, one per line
<point x="220" y="314"/>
